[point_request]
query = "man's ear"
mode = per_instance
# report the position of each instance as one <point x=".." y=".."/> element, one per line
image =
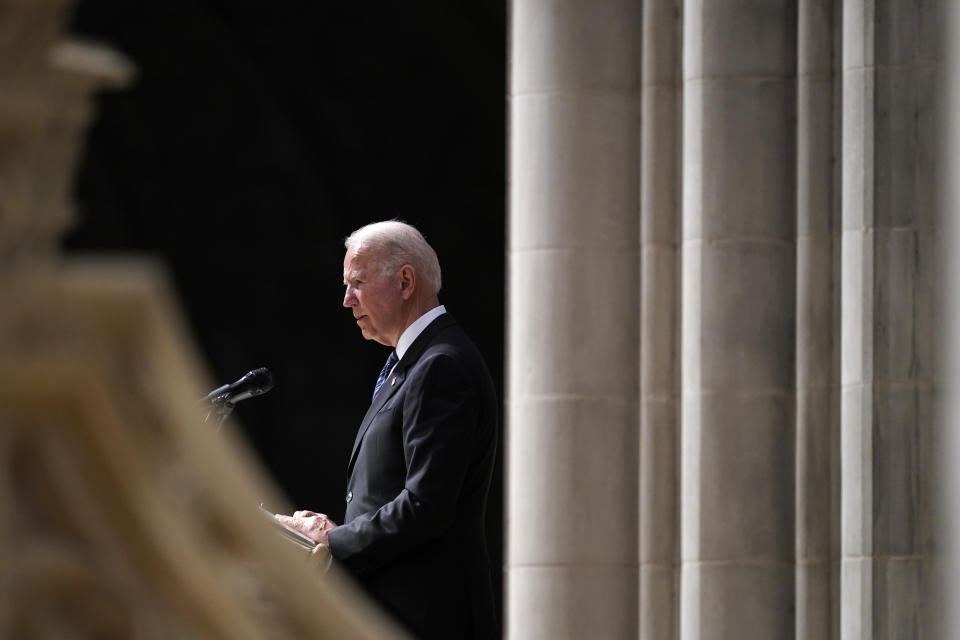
<point x="408" y="281"/>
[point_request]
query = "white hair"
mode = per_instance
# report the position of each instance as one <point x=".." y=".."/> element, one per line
<point x="398" y="243"/>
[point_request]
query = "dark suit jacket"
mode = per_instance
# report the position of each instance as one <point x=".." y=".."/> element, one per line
<point x="417" y="490"/>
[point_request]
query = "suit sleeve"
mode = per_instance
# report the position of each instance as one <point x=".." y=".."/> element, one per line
<point x="440" y="417"/>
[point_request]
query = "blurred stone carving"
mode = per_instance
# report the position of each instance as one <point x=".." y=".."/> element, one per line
<point x="120" y="515"/>
<point x="46" y="82"/>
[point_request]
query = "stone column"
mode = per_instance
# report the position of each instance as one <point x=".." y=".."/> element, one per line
<point x="948" y="614"/>
<point x="818" y="425"/>
<point x="890" y="49"/>
<point x="660" y="320"/>
<point x="739" y="320"/>
<point x="573" y="267"/>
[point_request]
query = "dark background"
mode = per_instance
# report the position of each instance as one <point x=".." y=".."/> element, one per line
<point x="255" y="138"/>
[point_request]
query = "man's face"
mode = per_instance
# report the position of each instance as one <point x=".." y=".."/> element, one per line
<point x="374" y="297"/>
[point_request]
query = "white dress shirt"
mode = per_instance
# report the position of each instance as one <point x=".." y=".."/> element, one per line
<point x="410" y="333"/>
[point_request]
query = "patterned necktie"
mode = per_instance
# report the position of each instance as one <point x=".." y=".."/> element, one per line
<point x="392" y="360"/>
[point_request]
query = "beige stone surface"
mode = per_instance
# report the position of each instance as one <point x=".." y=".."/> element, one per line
<point x="660" y="214"/>
<point x="902" y="471"/>
<point x="565" y="45"/>
<point x="815" y="37"/>
<point x="573" y="331"/>
<point x="737" y="511"/>
<point x="857" y="291"/>
<point x="815" y="596"/>
<point x="579" y="171"/>
<point x="738" y="452"/>
<point x="903" y="305"/>
<point x="660" y="165"/>
<point x="734" y="38"/>
<point x="817" y="314"/>
<point x="815" y="161"/>
<point x="889" y="336"/>
<point x="858" y="36"/>
<point x="856" y="593"/>
<point x="905" y="143"/>
<point x="818" y="319"/>
<point x="571" y="601"/>
<point x="659" y="590"/>
<point x="745" y="334"/>
<point x="737" y="137"/>
<point x="902" y="591"/>
<point x="887" y="597"/>
<point x="660" y="320"/>
<point x="659" y="482"/>
<point x="662" y="51"/>
<point x="856" y="449"/>
<point x="817" y="506"/>
<point x="583" y="490"/>
<point x="737" y="600"/>
<point x="567" y="338"/>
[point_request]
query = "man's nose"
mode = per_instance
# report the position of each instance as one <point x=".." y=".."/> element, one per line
<point x="349" y="299"/>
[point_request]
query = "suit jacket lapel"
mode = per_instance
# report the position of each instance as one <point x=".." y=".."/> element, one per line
<point x="396" y="380"/>
<point x="386" y="391"/>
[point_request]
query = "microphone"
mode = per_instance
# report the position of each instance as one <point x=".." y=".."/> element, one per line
<point x="255" y="383"/>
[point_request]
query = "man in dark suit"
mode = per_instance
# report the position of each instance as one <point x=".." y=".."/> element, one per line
<point x="421" y="465"/>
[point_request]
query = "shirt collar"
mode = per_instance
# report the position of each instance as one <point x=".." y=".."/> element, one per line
<point x="410" y="333"/>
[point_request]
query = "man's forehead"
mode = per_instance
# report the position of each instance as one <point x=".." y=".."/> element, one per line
<point x="355" y="262"/>
<point x="351" y="267"/>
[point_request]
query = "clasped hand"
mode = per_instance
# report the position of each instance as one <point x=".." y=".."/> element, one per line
<point x="315" y="526"/>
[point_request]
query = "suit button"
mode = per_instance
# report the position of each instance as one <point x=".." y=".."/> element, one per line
<point x="349" y="496"/>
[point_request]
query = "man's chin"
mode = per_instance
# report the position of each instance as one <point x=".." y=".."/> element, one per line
<point x="364" y="331"/>
<point x="377" y="339"/>
<point x="367" y="335"/>
<point x="370" y="335"/>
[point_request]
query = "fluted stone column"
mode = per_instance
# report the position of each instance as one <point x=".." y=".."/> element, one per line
<point x="738" y="335"/>
<point x="888" y="318"/>
<point x="948" y="504"/>
<point x="818" y="313"/>
<point x="573" y="267"/>
<point x="949" y="398"/>
<point x="660" y="320"/>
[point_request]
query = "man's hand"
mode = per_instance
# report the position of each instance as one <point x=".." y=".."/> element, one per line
<point x="315" y="526"/>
